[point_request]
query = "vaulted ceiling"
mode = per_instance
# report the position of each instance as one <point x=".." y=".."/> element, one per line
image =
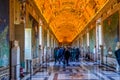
<point x="67" y="18"/>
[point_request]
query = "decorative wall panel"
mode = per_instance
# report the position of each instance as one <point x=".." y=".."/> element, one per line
<point x="92" y="39"/>
<point x="4" y="33"/>
<point x="85" y="41"/>
<point x="35" y="41"/>
<point x="35" y="36"/>
<point x="110" y="32"/>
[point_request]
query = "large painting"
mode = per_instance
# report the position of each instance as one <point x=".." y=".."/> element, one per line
<point x="45" y="37"/>
<point x="35" y="37"/>
<point x="92" y="39"/>
<point x="110" y="32"/>
<point x="4" y="36"/>
<point x="85" y="41"/>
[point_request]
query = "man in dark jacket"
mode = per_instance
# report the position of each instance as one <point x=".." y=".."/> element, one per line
<point x="56" y="54"/>
<point x="117" y="54"/>
<point x="66" y="56"/>
<point x="77" y="54"/>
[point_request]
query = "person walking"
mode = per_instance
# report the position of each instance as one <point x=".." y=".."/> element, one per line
<point x="117" y="55"/>
<point x="67" y="55"/>
<point x="56" y="54"/>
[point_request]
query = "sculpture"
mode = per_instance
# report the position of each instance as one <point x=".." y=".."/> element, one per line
<point x="16" y="61"/>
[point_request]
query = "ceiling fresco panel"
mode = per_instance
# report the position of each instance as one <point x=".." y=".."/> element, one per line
<point x="67" y="18"/>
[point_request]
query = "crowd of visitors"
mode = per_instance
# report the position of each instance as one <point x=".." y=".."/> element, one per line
<point x="66" y="54"/>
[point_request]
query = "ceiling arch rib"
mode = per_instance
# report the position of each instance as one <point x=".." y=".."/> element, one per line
<point x="67" y="18"/>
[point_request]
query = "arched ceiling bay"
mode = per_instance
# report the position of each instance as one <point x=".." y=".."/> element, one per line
<point x="67" y="18"/>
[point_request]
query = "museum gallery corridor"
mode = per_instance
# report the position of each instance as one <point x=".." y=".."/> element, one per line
<point x="83" y="70"/>
<point x="83" y="34"/>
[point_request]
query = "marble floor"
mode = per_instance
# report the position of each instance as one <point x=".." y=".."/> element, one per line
<point x="82" y="70"/>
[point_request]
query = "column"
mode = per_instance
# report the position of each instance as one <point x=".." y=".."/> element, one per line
<point x="88" y="39"/>
<point x="99" y="44"/>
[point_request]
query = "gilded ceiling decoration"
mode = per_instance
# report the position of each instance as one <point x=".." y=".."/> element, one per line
<point x="67" y="18"/>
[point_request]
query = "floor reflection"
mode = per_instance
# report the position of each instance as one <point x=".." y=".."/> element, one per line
<point x="83" y="70"/>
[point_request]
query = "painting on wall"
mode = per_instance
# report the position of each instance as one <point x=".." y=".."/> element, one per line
<point x="4" y="33"/>
<point x="92" y="39"/>
<point x="36" y="29"/>
<point x="35" y="38"/>
<point x="85" y="41"/>
<point x="45" y="37"/>
<point x="110" y="32"/>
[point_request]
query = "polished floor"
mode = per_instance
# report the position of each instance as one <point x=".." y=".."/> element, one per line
<point x="82" y="70"/>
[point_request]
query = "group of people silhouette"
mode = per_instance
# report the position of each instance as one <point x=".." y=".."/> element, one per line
<point x="66" y="54"/>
